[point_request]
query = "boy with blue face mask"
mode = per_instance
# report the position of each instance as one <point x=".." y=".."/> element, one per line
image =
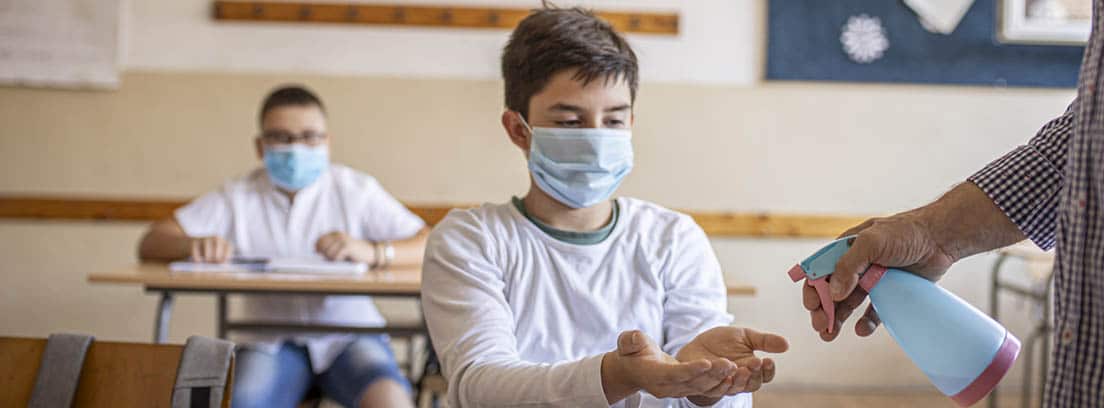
<point x="566" y="297"/>
<point x="298" y="205"/>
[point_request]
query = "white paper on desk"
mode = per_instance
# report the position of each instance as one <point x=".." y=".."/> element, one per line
<point x="212" y="267"/>
<point x="315" y="267"/>
<point x="298" y="266"/>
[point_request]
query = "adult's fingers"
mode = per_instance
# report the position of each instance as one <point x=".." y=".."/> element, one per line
<point x="810" y="298"/>
<point x="857" y="229"/>
<point x="852" y="263"/>
<point x="848" y="306"/>
<point x="819" y="321"/>
<point x="868" y="323"/>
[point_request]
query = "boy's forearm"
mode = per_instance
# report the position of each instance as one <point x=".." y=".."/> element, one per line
<point x="409" y="252"/>
<point x="155" y="248"/>
<point x="965" y="221"/>
<point x="163" y="243"/>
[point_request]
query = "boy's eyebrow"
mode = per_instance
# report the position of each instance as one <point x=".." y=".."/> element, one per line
<point x="566" y="108"/>
<point x="578" y="109"/>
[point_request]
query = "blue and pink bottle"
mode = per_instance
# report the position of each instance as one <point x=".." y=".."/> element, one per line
<point x="963" y="351"/>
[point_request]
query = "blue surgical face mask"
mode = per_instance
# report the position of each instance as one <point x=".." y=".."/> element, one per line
<point x="579" y="167"/>
<point x="296" y="166"/>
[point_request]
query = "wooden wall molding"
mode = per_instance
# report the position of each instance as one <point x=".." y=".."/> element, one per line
<point x="421" y="15"/>
<point x="715" y="224"/>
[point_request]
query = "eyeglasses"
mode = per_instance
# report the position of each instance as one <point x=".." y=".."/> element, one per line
<point x="285" y="137"/>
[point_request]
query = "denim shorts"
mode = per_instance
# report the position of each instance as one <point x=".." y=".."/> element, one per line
<point x="263" y="379"/>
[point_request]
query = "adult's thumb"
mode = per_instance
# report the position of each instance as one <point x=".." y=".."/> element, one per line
<point x="853" y="263"/>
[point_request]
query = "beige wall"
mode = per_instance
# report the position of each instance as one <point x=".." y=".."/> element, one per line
<point x="801" y="147"/>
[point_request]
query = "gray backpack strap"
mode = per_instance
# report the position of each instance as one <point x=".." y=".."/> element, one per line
<point x="201" y="377"/>
<point x="59" y="372"/>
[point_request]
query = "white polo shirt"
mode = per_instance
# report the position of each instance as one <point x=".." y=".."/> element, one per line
<point x="260" y="221"/>
<point x="519" y="318"/>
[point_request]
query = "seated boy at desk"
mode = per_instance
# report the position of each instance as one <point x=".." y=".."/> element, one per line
<point x="299" y="204"/>
<point x="568" y="298"/>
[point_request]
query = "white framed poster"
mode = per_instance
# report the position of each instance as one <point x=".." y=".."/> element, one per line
<point x="1066" y="22"/>
<point x="60" y="43"/>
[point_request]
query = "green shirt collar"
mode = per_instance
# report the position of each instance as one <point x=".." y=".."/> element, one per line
<point x="572" y="237"/>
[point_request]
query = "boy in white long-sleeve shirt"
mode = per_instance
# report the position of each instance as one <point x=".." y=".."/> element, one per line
<point x="566" y="297"/>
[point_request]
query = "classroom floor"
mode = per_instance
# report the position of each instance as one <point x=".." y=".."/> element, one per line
<point x="822" y="399"/>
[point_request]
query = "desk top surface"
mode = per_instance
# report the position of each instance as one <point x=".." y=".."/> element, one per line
<point x="404" y="281"/>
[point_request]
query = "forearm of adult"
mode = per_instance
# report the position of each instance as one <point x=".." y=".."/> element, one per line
<point x="966" y="221"/>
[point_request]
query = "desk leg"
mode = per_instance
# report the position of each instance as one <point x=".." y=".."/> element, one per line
<point x="994" y="309"/>
<point x="1047" y="332"/>
<point x="161" y="321"/>
<point x="425" y="348"/>
<point x="221" y="316"/>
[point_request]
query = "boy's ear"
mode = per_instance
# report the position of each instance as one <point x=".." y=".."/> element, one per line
<point x="259" y="147"/>
<point x="516" y="130"/>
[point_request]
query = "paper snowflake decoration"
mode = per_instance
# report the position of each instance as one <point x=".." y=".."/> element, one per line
<point x="864" y="39"/>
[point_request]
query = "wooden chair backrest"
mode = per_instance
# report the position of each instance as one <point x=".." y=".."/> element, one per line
<point x="114" y="374"/>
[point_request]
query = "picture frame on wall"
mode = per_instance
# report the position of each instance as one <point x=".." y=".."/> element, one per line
<point x="888" y="41"/>
<point x="1045" y="22"/>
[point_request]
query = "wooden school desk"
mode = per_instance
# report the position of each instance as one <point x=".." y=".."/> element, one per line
<point x="395" y="283"/>
<point x="157" y="278"/>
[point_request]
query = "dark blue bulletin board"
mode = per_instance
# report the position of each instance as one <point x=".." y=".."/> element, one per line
<point x="804" y="44"/>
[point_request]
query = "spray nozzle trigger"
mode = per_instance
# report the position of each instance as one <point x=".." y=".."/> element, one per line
<point x="818" y="267"/>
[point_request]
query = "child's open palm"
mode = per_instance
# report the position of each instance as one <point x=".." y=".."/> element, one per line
<point x="738" y="345"/>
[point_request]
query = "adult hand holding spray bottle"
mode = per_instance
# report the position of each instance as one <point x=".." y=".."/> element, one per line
<point x="962" y="351"/>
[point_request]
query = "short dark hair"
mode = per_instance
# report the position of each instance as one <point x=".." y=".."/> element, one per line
<point x="552" y="39"/>
<point x="289" y="95"/>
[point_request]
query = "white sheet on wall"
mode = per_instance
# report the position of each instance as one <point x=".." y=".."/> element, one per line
<point x="59" y="43"/>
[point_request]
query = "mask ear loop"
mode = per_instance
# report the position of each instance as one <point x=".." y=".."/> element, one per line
<point x="527" y="127"/>
<point x="524" y="122"/>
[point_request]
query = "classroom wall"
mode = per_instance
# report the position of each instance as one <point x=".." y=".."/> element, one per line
<point x="705" y="139"/>
<point x="179" y="35"/>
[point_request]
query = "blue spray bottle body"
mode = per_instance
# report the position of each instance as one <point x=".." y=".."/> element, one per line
<point x="961" y="350"/>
